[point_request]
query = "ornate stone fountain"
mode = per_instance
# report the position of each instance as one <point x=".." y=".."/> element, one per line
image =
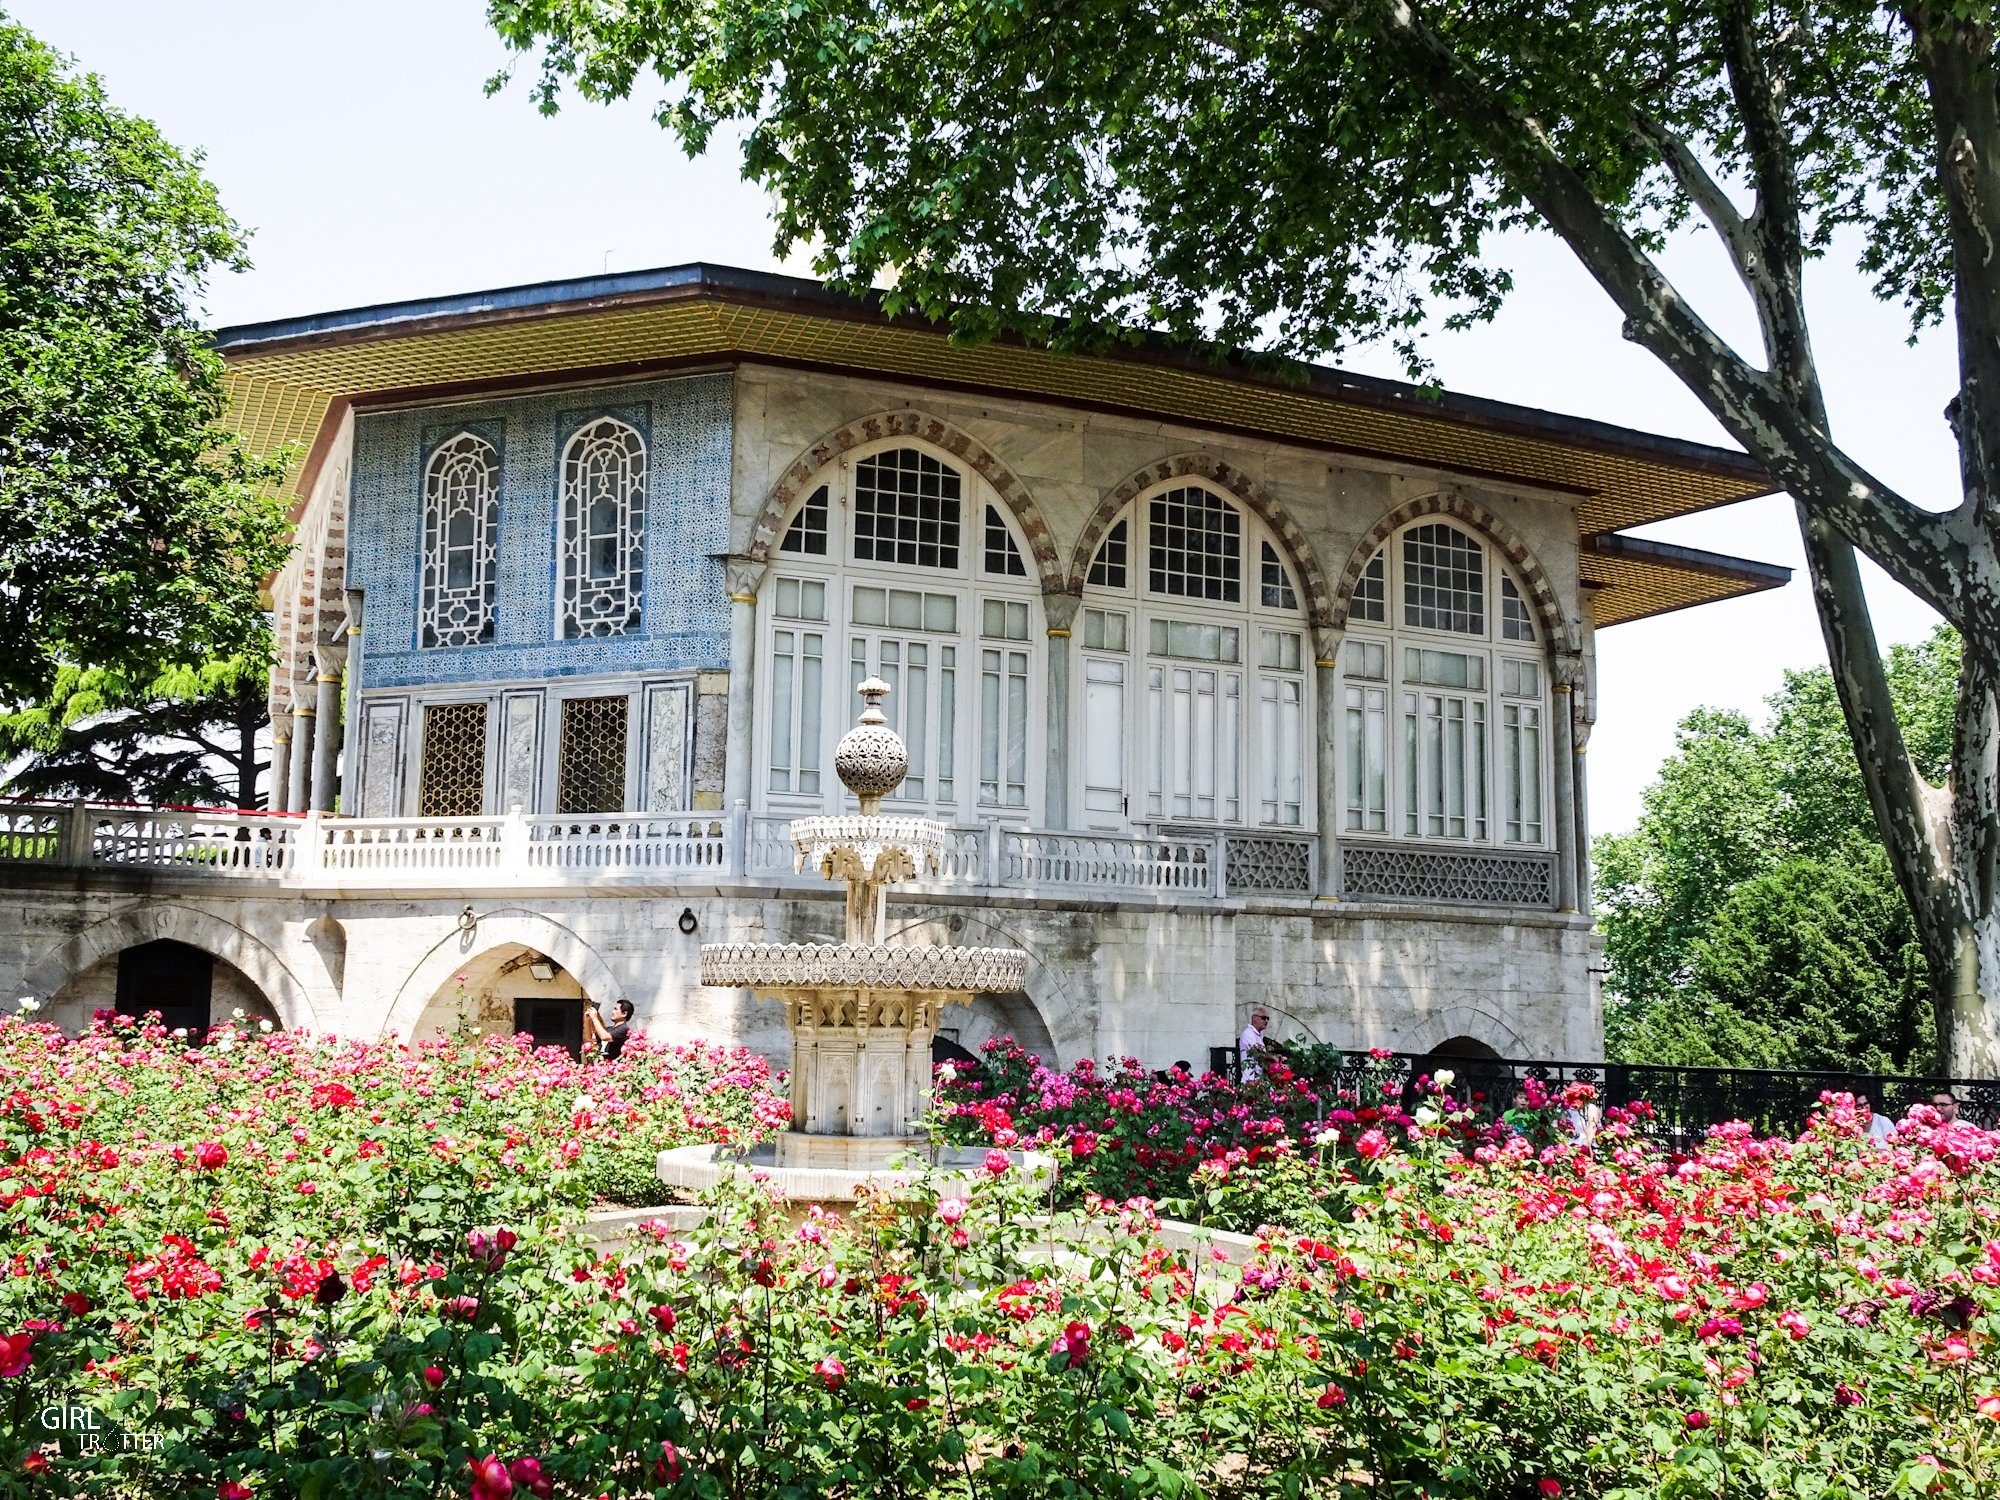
<point x="862" y="1012"/>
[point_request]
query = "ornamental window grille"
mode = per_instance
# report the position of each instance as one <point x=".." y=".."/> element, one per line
<point x="1275" y="582"/>
<point x="461" y="523"/>
<point x="590" y="760"/>
<point x="1516" y="624"/>
<point x="451" y="782"/>
<point x="1110" y="569"/>
<point x="806" y="536"/>
<point x="1003" y="558"/>
<point x="1444" y="580"/>
<point x="1194" y="547"/>
<point x="1371" y="592"/>
<point x="906" y="510"/>
<point x="603" y="530"/>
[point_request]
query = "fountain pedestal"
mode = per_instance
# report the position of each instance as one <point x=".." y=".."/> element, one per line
<point x="863" y="1013"/>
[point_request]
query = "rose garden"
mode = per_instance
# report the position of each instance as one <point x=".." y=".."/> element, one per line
<point x="288" y="1265"/>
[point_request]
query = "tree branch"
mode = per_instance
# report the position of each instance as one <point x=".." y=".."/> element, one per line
<point x="1928" y="554"/>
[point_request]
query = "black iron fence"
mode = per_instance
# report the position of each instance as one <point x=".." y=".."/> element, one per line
<point x="1686" y="1101"/>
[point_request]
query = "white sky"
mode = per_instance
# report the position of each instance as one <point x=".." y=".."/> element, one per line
<point x="356" y="142"/>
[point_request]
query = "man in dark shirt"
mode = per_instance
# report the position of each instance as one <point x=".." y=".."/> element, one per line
<point x="619" y="1029"/>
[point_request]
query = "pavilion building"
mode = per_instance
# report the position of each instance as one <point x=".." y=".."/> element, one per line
<point x="1238" y="689"/>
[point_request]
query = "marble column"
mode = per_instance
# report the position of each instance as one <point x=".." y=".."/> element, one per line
<point x="1563" y="754"/>
<point x="298" y="776"/>
<point x="745" y="577"/>
<point x="1326" y="768"/>
<point x="279" y="789"/>
<point x="326" y="728"/>
<point x="1061" y="611"/>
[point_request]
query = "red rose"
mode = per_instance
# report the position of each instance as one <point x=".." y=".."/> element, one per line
<point x="433" y="1376"/>
<point x="210" y="1154"/>
<point x="832" y="1371"/>
<point x="667" y="1467"/>
<point x="490" y="1479"/>
<point x="16" y="1351"/>
<point x="1550" y="1488"/>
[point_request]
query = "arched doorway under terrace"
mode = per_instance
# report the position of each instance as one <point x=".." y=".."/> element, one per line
<point x="509" y="989"/>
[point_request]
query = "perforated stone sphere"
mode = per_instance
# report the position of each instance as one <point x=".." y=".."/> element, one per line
<point x="870" y="759"/>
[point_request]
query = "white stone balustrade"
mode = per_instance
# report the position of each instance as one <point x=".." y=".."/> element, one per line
<point x="320" y="851"/>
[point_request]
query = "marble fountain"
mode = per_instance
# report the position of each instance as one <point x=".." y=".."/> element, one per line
<point x="862" y="1012"/>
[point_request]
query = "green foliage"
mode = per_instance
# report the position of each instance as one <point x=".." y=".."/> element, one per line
<point x="134" y="529"/>
<point x="188" y="739"/>
<point x="1262" y="172"/>
<point x="1751" y="918"/>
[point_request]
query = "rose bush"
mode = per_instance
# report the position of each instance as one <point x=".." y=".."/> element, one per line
<point x="1798" y="1318"/>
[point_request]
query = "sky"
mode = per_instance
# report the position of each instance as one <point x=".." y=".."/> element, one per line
<point x="357" y="144"/>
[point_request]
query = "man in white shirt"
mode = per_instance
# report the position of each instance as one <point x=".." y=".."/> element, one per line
<point x="1250" y="1045"/>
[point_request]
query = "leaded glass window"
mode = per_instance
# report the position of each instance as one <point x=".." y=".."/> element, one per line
<point x="451" y="780"/>
<point x="1109" y="569"/>
<point x="906" y="510"/>
<point x="1444" y="580"/>
<point x="1516" y="624"/>
<point x="1195" y="547"/>
<point x="461" y="524"/>
<point x="590" y="760"/>
<point x="1371" y="592"/>
<point x="603" y="530"/>
<point x="806" y="536"/>
<point x="1003" y="558"/>
<point x="1275" y="582"/>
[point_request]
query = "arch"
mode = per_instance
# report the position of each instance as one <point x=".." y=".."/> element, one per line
<point x="1463" y="1048"/>
<point x="962" y="446"/>
<point x="1469" y="1023"/>
<point x="501" y="928"/>
<point x="1558" y="632"/>
<point x="1071" y="1026"/>
<point x="1254" y="497"/>
<point x="298" y="1005"/>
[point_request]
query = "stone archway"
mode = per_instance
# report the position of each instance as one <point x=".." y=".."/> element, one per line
<point x="1313" y="584"/>
<point x="1467" y="1025"/>
<point x="939" y="434"/>
<point x="507" y="930"/>
<point x="298" y="1005"/>
<point x="1068" y="1029"/>
<point x="1557" y="629"/>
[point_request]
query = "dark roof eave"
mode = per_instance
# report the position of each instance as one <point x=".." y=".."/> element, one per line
<point x="1692" y="559"/>
<point x="627" y="288"/>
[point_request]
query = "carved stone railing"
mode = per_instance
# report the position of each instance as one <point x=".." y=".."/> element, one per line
<point x="1426" y="873"/>
<point x="718" y="848"/>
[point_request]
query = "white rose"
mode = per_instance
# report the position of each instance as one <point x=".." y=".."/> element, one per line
<point x="263" y="1025"/>
<point x="1327" y="1138"/>
<point x="585" y="1103"/>
<point x="181" y="1031"/>
<point x="1444" y="1078"/>
<point x="946" y="1073"/>
<point x="236" y="1014"/>
<point x="29" y="1004"/>
<point x="1426" y="1116"/>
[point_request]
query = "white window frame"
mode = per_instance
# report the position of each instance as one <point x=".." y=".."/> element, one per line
<point x="1406" y="819"/>
<point x="969" y="584"/>
<point x="1249" y="617"/>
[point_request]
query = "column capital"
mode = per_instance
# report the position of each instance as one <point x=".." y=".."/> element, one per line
<point x="745" y="576"/>
<point x="329" y="657"/>
<point x="1060" y="607"/>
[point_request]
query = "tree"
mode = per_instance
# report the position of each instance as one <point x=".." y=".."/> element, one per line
<point x="188" y="740"/>
<point x="135" y="530"/>
<point x="1303" y="173"/>
<point x="1751" y="918"/>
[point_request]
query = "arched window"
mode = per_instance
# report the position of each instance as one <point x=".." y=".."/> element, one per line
<point x="1444" y="697"/>
<point x="461" y="522"/>
<point x="1192" y="691"/>
<point x="903" y="566"/>
<point x="603" y="530"/>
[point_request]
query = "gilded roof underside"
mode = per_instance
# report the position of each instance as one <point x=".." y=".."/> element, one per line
<point x="281" y="395"/>
<point x="1628" y="589"/>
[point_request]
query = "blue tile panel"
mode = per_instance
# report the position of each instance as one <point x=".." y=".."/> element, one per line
<point x="684" y="619"/>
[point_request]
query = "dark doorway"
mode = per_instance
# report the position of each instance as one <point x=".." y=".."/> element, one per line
<point x="551" y="1023"/>
<point x="1468" y="1048"/>
<point x="171" y="978"/>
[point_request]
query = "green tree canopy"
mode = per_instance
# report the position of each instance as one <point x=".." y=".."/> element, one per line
<point x="1298" y="175"/>
<point x="135" y="531"/>
<point x="1751" y="917"/>
<point x="188" y="738"/>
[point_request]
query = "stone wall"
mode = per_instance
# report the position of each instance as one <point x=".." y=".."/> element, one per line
<point x="1160" y="982"/>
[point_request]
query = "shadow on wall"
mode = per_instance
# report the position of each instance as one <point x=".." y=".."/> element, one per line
<point x="972" y="1026"/>
<point x="189" y="987"/>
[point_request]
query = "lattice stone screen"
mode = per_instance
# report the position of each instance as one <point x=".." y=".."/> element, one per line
<point x="452" y="782"/>
<point x="1404" y="874"/>
<point x="1260" y="863"/>
<point x="590" y="763"/>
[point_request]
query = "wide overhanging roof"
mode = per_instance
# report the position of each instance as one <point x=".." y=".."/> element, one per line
<point x="286" y="378"/>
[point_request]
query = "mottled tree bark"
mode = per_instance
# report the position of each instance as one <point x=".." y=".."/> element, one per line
<point x="1944" y="843"/>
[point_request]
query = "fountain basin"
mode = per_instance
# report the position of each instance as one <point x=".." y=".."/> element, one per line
<point x="695" y="1169"/>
